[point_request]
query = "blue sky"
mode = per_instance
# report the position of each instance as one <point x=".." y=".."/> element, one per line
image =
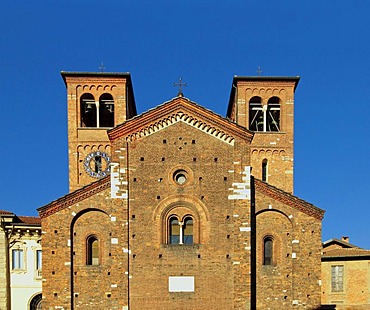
<point x="206" y="43"/>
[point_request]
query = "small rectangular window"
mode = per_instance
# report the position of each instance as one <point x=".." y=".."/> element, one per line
<point x="337" y="278"/>
<point x="38" y="259"/>
<point x="17" y="259"/>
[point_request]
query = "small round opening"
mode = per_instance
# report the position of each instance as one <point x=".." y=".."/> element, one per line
<point x="180" y="177"/>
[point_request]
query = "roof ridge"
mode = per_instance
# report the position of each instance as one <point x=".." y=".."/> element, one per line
<point x="74" y="197"/>
<point x="290" y="199"/>
<point x="212" y="119"/>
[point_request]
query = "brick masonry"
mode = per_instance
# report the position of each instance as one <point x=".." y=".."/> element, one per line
<point x="130" y="216"/>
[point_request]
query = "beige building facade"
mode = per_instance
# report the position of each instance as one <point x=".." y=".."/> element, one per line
<point x="345" y="275"/>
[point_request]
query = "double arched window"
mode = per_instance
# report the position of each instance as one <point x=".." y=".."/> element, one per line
<point x="180" y="231"/>
<point x="97" y="114"/>
<point x="92" y="251"/>
<point x="264" y="117"/>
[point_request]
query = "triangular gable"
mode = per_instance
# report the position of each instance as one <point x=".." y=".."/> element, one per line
<point x="180" y="109"/>
<point x="289" y="199"/>
<point x="335" y="249"/>
<point x="74" y="197"/>
<point x="338" y="243"/>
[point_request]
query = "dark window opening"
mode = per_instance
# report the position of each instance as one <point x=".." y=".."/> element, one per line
<point x="264" y="170"/>
<point x="188" y="230"/>
<point x="106" y="111"/>
<point x="88" y="111"/>
<point x="255" y="114"/>
<point x="273" y="114"/>
<point x="174" y="230"/>
<point x="267" y="251"/>
<point x="36" y="302"/>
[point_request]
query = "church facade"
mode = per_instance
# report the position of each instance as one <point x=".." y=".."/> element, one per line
<point x="179" y="207"/>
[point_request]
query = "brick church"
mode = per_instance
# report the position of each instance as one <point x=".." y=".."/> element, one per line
<point x="179" y="207"/>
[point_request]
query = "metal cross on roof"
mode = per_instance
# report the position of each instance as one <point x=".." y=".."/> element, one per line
<point x="259" y="71"/>
<point x="101" y="67"/>
<point x="180" y="84"/>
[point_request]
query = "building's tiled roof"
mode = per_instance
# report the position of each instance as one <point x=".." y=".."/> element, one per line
<point x="6" y="212"/>
<point x="345" y="252"/>
<point x="289" y="199"/>
<point x="32" y="220"/>
<point x="341" y="243"/>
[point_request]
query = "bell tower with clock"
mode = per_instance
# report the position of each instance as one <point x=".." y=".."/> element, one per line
<point x="96" y="102"/>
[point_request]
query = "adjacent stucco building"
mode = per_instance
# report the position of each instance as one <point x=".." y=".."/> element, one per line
<point x="345" y="275"/>
<point x="21" y="262"/>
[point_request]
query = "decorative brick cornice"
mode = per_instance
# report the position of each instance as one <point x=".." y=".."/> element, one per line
<point x="176" y="110"/>
<point x="289" y="199"/>
<point x="74" y="197"/>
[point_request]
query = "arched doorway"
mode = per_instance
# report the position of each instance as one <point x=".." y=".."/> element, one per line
<point x="36" y="302"/>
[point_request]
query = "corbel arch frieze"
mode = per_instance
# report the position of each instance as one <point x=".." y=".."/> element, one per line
<point x="181" y="117"/>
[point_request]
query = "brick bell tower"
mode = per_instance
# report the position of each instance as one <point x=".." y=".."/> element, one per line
<point x="265" y="105"/>
<point x="96" y="102"/>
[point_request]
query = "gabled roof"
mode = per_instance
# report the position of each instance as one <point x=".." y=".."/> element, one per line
<point x="335" y="249"/>
<point x="346" y="253"/>
<point x="4" y="212"/>
<point x="340" y="243"/>
<point x="74" y="197"/>
<point x="289" y="199"/>
<point x="13" y="219"/>
<point x="30" y="220"/>
<point x="179" y="109"/>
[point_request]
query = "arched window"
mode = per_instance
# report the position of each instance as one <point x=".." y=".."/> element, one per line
<point x="273" y="114"/>
<point x="88" y="111"/>
<point x="256" y="117"/>
<point x="264" y="170"/>
<point x="262" y="117"/>
<point x="180" y="232"/>
<point x="174" y="230"/>
<point x="36" y="302"/>
<point x="106" y="111"/>
<point x="267" y="251"/>
<point x="92" y="251"/>
<point x="188" y="230"/>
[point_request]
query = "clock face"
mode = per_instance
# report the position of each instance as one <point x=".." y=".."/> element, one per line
<point x="97" y="164"/>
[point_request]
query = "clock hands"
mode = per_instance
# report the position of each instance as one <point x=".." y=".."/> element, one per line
<point x="94" y="165"/>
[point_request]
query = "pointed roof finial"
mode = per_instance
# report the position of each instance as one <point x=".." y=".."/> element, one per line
<point x="259" y="71"/>
<point x="101" y="67"/>
<point x="180" y="84"/>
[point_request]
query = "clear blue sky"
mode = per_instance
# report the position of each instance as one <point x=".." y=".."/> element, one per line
<point x="206" y="43"/>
